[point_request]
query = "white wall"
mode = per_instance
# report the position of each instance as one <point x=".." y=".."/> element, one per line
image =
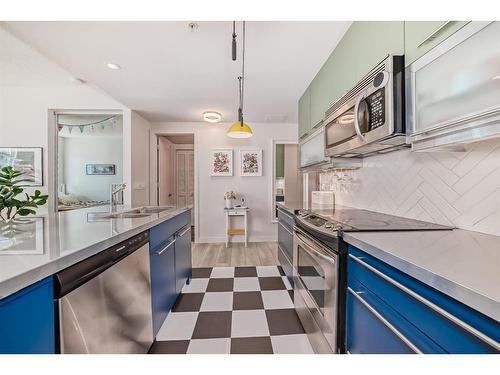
<point x="453" y="188"/>
<point x="140" y="152"/>
<point x="25" y="104"/>
<point x="210" y="223"/>
<point x="79" y="151"/>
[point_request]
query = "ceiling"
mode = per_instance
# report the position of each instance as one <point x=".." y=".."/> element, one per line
<point x="170" y="73"/>
<point x="181" y="139"/>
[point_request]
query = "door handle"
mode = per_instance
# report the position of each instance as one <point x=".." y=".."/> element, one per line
<point x="165" y="248"/>
<point x="184" y="232"/>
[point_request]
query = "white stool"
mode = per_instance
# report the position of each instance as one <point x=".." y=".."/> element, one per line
<point x="236" y="231"/>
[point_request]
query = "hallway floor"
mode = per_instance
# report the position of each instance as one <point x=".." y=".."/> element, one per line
<point x="237" y="310"/>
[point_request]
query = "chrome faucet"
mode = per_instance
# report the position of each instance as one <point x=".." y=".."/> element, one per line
<point x="114" y="189"/>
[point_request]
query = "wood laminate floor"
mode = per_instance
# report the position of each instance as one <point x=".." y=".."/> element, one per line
<point x="235" y="255"/>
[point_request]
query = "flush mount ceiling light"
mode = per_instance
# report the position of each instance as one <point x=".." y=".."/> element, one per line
<point x="240" y="129"/>
<point x="113" y="66"/>
<point x="212" y="116"/>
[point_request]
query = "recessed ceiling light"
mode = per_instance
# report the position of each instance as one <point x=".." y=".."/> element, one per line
<point x="113" y="66"/>
<point x="496" y="77"/>
<point x="212" y="116"/>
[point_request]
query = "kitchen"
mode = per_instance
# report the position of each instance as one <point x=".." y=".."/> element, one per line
<point x="350" y="207"/>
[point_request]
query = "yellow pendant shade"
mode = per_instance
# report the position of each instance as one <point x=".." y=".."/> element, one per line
<point x="237" y="130"/>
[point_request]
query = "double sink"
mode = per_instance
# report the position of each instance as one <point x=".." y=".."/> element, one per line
<point x="132" y="213"/>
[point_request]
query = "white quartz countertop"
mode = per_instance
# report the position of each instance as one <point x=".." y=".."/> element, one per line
<point x="69" y="237"/>
<point x="462" y="264"/>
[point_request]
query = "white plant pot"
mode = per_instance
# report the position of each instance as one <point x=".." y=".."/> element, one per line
<point x="229" y="203"/>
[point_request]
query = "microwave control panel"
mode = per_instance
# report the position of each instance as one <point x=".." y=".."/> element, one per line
<point x="376" y="104"/>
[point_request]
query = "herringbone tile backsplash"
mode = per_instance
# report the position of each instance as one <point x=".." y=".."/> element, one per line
<point x="452" y="188"/>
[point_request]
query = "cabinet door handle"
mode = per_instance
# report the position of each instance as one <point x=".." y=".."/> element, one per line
<point x="385" y="322"/>
<point x="184" y="232"/>
<point x="481" y="336"/>
<point x="435" y="33"/>
<point x="165" y="248"/>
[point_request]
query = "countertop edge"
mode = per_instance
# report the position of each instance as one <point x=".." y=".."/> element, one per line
<point x="468" y="297"/>
<point x="34" y="275"/>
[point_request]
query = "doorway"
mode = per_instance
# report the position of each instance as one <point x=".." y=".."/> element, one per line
<point x="175" y="171"/>
<point x="89" y="158"/>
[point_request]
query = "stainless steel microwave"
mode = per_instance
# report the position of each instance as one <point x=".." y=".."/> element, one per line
<point x="369" y="118"/>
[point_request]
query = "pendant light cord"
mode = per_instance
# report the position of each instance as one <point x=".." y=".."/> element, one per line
<point x="242" y="78"/>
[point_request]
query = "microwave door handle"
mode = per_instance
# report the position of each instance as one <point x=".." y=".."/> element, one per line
<point x="356" y="122"/>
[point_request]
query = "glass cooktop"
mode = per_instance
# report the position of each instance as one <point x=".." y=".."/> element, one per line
<point x="357" y="220"/>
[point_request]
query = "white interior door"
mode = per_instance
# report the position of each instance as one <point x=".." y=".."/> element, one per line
<point x="165" y="172"/>
<point x="184" y="177"/>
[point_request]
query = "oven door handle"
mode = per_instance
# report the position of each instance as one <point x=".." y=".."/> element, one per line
<point x="310" y="249"/>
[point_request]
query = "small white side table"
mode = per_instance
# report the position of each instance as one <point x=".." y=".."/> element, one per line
<point x="236" y="231"/>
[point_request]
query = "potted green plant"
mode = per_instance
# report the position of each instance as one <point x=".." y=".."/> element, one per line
<point x="13" y="203"/>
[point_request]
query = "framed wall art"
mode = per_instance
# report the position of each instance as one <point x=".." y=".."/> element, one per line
<point x="221" y="162"/>
<point x="251" y="162"/>
<point x="27" y="159"/>
<point x="100" y="169"/>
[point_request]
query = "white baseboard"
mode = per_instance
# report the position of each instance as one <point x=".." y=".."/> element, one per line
<point x="239" y="240"/>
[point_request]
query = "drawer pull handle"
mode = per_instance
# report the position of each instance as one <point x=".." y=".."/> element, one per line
<point x="481" y="336"/>
<point x="165" y="248"/>
<point x="184" y="232"/>
<point x="386" y="323"/>
<point x="285" y="228"/>
<point x="285" y="213"/>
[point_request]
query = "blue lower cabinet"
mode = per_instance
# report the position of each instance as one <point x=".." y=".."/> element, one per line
<point x="368" y="334"/>
<point x="163" y="283"/>
<point x="432" y="321"/>
<point x="27" y="323"/>
<point x="183" y="265"/>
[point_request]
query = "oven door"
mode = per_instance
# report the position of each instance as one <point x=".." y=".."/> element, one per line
<point x="316" y="290"/>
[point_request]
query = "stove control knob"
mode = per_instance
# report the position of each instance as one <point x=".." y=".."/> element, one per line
<point x="328" y="225"/>
<point x="337" y="227"/>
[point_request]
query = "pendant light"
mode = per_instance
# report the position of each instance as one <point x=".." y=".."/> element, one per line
<point x="240" y="129"/>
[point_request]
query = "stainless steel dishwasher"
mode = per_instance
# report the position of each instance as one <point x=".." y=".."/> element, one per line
<point x="105" y="301"/>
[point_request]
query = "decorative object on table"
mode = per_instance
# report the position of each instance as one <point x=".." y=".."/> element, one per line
<point x="251" y="162"/>
<point x="100" y="169"/>
<point x="12" y="182"/>
<point x="229" y="197"/>
<point x="25" y="159"/>
<point x="240" y="129"/>
<point x="221" y="162"/>
<point x="22" y="236"/>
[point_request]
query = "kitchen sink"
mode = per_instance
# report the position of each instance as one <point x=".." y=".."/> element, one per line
<point x="138" y="212"/>
<point x="155" y="209"/>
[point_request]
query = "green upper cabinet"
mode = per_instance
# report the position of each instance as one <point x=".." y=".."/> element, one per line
<point x="363" y="46"/>
<point x="304" y="113"/>
<point x="422" y="36"/>
<point x="280" y="161"/>
<point x="369" y="42"/>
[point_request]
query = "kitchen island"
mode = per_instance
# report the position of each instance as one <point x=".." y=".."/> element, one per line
<point x="91" y="268"/>
<point x="68" y="238"/>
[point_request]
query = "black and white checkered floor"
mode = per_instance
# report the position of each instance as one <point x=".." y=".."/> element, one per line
<point x="234" y="310"/>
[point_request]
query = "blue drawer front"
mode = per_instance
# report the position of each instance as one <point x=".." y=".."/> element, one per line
<point x="163" y="285"/>
<point x="286" y="218"/>
<point x="366" y="339"/>
<point x="285" y="239"/>
<point x="27" y="320"/>
<point x="286" y="264"/>
<point x="160" y="233"/>
<point x="448" y="335"/>
<point x="368" y="335"/>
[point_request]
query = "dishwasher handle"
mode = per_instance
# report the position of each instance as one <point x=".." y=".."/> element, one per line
<point x="74" y="276"/>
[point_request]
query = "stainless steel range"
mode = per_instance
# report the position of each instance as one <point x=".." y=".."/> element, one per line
<point x="320" y="266"/>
